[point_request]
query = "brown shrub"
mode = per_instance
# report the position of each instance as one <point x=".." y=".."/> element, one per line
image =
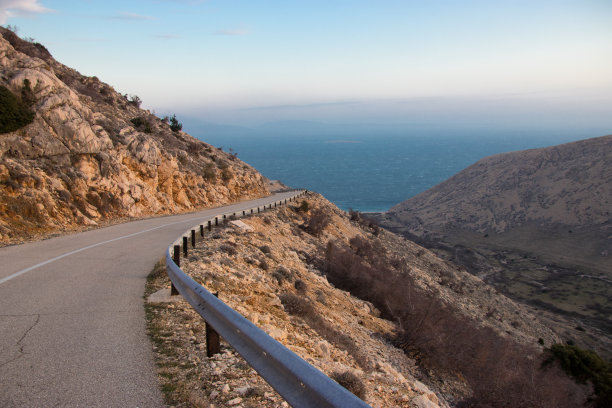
<point x="282" y="274"/>
<point x="500" y="372"/>
<point x="300" y="286"/>
<point x="351" y="382"/>
<point x="263" y="264"/>
<point x="319" y="219"/>
<point x="228" y="249"/>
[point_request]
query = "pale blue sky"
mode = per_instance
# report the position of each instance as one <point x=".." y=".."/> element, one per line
<point x="537" y="62"/>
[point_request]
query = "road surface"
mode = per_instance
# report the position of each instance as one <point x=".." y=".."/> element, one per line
<point x="72" y="324"/>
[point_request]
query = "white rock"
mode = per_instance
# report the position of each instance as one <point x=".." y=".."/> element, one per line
<point x="235" y="401"/>
<point x="242" y="390"/>
<point x="423" y="402"/>
<point x="322" y="348"/>
<point x="275" y="332"/>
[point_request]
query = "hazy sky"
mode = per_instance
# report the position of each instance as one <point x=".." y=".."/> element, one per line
<point x="493" y="62"/>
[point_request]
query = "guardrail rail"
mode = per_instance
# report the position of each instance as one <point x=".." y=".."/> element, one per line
<point x="297" y="381"/>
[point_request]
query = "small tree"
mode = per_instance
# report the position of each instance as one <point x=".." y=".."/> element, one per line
<point x="175" y="125"/>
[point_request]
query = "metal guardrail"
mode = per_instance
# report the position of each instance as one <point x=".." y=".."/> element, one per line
<point x="298" y="382"/>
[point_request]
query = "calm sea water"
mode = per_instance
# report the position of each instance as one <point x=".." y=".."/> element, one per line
<point x="372" y="172"/>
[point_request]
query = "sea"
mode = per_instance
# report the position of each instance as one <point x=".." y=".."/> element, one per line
<point x="373" y="172"/>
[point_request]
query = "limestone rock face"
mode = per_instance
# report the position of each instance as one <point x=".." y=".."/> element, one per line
<point x="92" y="156"/>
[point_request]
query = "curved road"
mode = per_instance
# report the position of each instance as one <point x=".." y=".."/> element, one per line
<point x="72" y="324"/>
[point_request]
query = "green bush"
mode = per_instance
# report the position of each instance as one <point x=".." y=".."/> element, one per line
<point x="175" y="125"/>
<point x="585" y="366"/>
<point x="14" y="114"/>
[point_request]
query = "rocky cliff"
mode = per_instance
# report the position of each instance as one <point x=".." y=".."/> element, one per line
<point x="92" y="156"/>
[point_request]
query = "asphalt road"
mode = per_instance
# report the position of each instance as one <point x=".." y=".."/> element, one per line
<point x="72" y="324"/>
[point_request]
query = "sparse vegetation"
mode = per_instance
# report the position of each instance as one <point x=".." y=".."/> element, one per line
<point x="498" y="370"/>
<point x="228" y="248"/>
<point x="282" y="274"/>
<point x="303" y="307"/>
<point x="28" y="46"/>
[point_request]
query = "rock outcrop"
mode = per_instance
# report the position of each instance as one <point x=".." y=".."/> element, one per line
<point x="92" y="156"/>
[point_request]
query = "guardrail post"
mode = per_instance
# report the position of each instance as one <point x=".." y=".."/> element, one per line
<point x="193" y="238"/>
<point x="177" y="260"/>
<point x="257" y="210"/>
<point x="251" y="211"/>
<point x="209" y="225"/>
<point x="216" y="222"/>
<point x="184" y="246"/>
<point x="213" y="345"/>
<point x="243" y="213"/>
<point x="201" y="230"/>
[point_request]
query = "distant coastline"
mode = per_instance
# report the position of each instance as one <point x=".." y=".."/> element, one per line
<point x="372" y="172"/>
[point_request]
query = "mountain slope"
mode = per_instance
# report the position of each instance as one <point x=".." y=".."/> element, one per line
<point x="295" y="272"/>
<point x="92" y="156"/>
<point x="567" y="184"/>
<point x="535" y="223"/>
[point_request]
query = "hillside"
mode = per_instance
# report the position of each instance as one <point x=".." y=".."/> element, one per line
<point x="91" y="156"/>
<point x="414" y="330"/>
<point x="536" y="224"/>
<point x="565" y="185"/>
